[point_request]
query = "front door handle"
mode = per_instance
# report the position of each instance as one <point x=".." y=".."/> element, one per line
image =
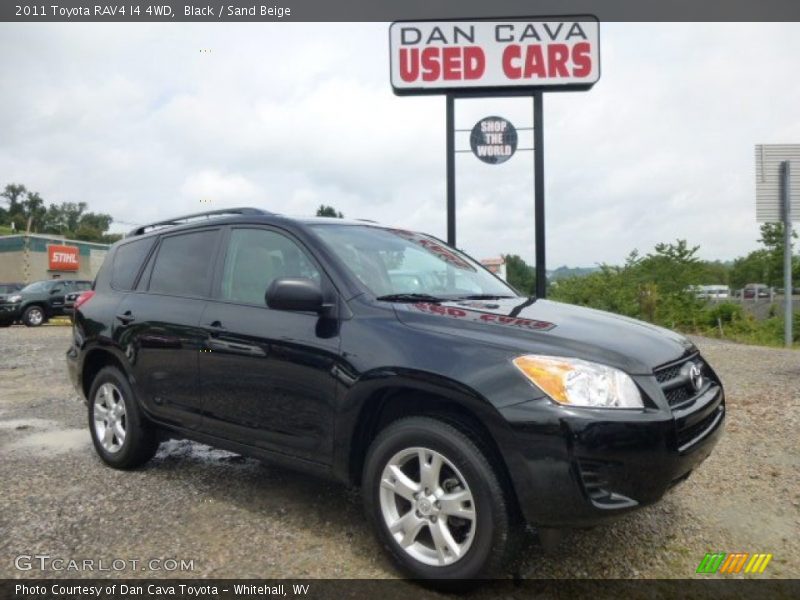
<point x="235" y="348"/>
<point x="216" y="326"/>
<point x="126" y="317"/>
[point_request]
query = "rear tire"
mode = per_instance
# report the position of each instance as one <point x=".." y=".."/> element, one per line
<point x="436" y="502"/>
<point x="121" y="435"/>
<point x="33" y="316"/>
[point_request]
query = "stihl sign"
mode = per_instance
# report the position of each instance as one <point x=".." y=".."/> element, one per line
<point x="63" y="258"/>
<point x="437" y="56"/>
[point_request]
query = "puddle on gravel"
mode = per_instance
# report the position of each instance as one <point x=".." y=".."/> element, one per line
<point x="41" y="436"/>
<point x="24" y="424"/>
<point x="48" y="442"/>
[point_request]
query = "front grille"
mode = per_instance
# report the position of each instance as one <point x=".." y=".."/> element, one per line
<point x="694" y="432"/>
<point x="681" y="393"/>
<point x="678" y="395"/>
<point x="675" y="384"/>
<point x="671" y="372"/>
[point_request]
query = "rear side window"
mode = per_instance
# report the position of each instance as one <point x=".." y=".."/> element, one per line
<point x="183" y="264"/>
<point x="128" y="260"/>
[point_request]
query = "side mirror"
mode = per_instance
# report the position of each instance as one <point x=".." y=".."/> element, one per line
<point x="55" y="291"/>
<point x="294" y="293"/>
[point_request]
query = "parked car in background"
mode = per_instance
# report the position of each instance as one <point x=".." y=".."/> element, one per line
<point x="69" y="299"/>
<point x="6" y="289"/>
<point x="38" y="302"/>
<point x="756" y="290"/>
<point x="712" y="292"/>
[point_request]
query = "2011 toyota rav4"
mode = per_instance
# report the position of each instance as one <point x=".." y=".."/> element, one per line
<point x="383" y="357"/>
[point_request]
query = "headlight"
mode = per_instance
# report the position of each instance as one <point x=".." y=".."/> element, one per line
<point x="15" y="298"/>
<point x="575" y="382"/>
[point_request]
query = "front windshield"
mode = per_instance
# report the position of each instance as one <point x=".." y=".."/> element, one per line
<point x="395" y="261"/>
<point x="37" y="286"/>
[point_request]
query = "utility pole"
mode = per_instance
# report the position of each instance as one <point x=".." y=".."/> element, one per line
<point x="786" y="198"/>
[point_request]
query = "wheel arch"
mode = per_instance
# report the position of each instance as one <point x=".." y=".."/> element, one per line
<point x="374" y="407"/>
<point x="95" y="360"/>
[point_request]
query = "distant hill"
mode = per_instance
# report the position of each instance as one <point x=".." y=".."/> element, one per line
<point x="565" y="271"/>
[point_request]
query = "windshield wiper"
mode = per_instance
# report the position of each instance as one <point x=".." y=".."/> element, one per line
<point x="410" y="298"/>
<point x="484" y="297"/>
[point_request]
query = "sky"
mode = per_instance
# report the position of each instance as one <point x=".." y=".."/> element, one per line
<point x="147" y="121"/>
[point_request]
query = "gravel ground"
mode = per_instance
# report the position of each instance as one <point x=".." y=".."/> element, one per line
<point x="237" y="517"/>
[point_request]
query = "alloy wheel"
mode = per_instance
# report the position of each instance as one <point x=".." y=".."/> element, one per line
<point x="109" y="417"/>
<point x="427" y="506"/>
<point x="35" y="316"/>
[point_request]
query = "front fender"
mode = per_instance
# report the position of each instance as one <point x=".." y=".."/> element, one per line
<point x="364" y="399"/>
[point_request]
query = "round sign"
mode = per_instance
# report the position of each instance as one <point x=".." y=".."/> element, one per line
<point x="493" y="140"/>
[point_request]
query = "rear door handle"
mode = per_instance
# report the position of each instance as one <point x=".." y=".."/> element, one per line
<point x="126" y="317"/>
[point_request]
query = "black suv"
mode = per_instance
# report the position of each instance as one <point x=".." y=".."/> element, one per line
<point x="36" y="303"/>
<point x="382" y="357"/>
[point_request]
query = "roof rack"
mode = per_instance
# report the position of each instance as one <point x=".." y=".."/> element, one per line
<point x="194" y="216"/>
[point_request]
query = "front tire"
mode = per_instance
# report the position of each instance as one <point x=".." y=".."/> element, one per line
<point x="33" y="316"/>
<point x="436" y="502"/>
<point x="121" y="435"/>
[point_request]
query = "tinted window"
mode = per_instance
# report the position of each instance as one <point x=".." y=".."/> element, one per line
<point x="256" y="257"/>
<point x="183" y="264"/>
<point x="127" y="261"/>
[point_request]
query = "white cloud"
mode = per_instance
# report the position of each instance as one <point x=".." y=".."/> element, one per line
<point x="136" y="121"/>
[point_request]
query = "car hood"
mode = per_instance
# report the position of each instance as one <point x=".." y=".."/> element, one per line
<point x="552" y="328"/>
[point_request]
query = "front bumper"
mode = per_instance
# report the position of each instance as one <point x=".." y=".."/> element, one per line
<point x="579" y="467"/>
<point x="10" y="311"/>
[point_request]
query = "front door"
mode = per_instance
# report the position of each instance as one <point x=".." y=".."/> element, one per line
<point x="266" y="375"/>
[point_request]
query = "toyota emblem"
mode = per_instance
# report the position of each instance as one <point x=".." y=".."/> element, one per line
<point x="696" y="376"/>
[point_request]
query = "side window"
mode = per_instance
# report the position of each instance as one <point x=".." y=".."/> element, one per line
<point x="183" y="265"/>
<point x="127" y="261"/>
<point x="256" y="257"/>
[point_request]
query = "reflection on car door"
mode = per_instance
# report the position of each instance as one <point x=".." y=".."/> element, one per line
<point x="56" y="295"/>
<point x="158" y="325"/>
<point x="266" y="377"/>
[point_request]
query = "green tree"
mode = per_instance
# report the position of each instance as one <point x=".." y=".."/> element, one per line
<point x="674" y="267"/>
<point x="715" y="272"/>
<point x="328" y="211"/>
<point x="34" y="210"/>
<point x="520" y="274"/>
<point x="772" y="238"/>
<point x="753" y="268"/>
<point x="69" y="219"/>
<point x="14" y="194"/>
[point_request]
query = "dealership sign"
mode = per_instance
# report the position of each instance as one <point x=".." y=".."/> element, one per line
<point x="436" y="56"/>
<point x="493" y="140"/>
<point x="62" y="258"/>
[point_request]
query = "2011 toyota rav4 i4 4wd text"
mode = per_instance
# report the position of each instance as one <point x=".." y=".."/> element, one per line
<point x="383" y="357"/>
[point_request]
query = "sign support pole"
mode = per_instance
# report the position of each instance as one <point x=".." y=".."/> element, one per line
<point x="451" y="171"/>
<point x="787" y="252"/>
<point x="538" y="194"/>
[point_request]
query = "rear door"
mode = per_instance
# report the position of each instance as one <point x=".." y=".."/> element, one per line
<point x="267" y="376"/>
<point x="157" y="324"/>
